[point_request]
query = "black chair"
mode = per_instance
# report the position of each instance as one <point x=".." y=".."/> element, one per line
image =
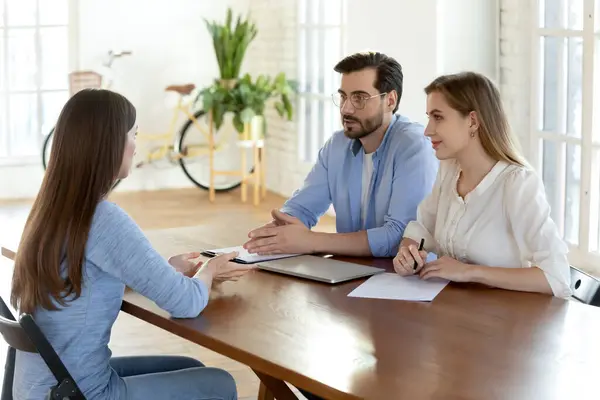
<point x="585" y="287"/>
<point x="9" y="367"/>
<point x="26" y="335"/>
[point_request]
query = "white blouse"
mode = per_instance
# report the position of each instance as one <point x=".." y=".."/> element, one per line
<point x="504" y="222"/>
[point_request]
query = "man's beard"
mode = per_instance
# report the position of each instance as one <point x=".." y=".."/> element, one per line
<point x="363" y="127"/>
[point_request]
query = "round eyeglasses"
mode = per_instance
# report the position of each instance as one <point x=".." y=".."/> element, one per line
<point x="358" y="101"/>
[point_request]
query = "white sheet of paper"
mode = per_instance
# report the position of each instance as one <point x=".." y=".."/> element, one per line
<point x="395" y="287"/>
<point x="252" y="258"/>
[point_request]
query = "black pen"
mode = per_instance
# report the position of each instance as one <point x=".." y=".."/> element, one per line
<point x="420" y="248"/>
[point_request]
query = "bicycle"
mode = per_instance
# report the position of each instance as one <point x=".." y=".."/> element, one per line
<point x="190" y="147"/>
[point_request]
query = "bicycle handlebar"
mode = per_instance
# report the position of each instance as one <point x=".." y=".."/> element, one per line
<point x="112" y="56"/>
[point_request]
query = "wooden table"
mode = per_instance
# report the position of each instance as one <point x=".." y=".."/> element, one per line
<point x="471" y="342"/>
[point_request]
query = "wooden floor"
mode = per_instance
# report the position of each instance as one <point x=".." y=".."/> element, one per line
<point x="169" y="209"/>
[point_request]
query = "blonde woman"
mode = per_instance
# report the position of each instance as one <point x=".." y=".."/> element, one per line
<point x="487" y="217"/>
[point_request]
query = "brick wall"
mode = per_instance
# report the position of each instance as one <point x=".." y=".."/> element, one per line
<point x="273" y="51"/>
<point x="515" y="64"/>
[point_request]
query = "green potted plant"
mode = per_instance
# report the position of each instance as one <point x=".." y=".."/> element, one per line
<point x="252" y="97"/>
<point x="230" y="44"/>
<point x="244" y="97"/>
<point x="248" y="99"/>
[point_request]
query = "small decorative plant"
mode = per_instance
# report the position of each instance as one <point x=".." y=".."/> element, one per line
<point x="248" y="99"/>
<point x="244" y="97"/>
<point x="230" y="44"/>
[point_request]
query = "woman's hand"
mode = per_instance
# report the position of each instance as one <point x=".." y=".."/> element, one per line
<point x="185" y="263"/>
<point x="408" y="254"/>
<point x="221" y="269"/>
<point x="447" y="268"/>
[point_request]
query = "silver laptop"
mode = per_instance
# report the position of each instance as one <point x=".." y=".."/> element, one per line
<point x="319" y="268"/>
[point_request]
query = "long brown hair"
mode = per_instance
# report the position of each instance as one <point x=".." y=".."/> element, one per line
<point x="86" y="156"/>
<point x="469" y="91"/>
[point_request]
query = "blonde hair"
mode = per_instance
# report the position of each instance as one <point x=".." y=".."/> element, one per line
<point x="469" y="91"/>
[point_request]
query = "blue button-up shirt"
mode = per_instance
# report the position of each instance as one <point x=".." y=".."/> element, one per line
<point x="404" y="170"/>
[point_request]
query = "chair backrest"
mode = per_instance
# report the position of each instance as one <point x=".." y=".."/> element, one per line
<point x="12" y="331"/>
<point x="9" y="367"/>
<point x="5" y="311"/>
<point x="585" y="287"/>
<point x="15" y="336"/>
<point x="25" y="335"/>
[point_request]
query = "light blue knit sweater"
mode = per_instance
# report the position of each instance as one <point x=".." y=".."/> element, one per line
<point x="117" y="254"/>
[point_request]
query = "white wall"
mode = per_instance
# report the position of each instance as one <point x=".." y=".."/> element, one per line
<point x="170" y="45"/>
<point x="428" y="38"/>
<point x="405" y="30"/>
<point x="468" y="36"/>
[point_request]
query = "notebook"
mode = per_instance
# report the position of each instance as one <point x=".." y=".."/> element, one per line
<point x="243" y="256"/>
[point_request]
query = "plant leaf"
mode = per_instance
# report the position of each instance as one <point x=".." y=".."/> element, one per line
<point x="207" y="100"/>
<point x="247" y="114"/>
<point x="218" y="115"/>
<point x="288" y="107"/>
<point x="237" y="123"/>
<point x="280" y="108"/>
<point x="231" y="42"/>
<point x="229" y="17"/>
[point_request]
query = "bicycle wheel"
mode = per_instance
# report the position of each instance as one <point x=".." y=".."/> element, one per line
<point x="47" y="147"/>
<point x="193" y="144"/>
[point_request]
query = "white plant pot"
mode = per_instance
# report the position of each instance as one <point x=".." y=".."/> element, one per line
<point x="257" y="127"/>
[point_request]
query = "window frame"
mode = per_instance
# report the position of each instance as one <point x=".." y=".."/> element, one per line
<point x="72" y="45"/>
<point x="306" y="128"/>
<point x="582" y="255"/>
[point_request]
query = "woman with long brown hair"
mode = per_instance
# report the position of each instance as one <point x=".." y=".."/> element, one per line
<point x="488" y="207"/>
<point x="79" y="251"/>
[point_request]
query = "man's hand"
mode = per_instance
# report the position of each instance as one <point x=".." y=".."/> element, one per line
<point x="279" y="219"/>
<point x="283" y="235"/>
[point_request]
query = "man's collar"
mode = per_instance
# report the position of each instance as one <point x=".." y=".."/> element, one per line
<point x="357" y="144"/>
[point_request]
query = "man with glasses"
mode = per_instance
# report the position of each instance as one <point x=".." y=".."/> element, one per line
<point x="375" y="172"/>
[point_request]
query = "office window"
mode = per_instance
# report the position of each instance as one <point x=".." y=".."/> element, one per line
<point x="565" y="116"/>
<point x="321" y="46"/>
<point x="34" y="57"/>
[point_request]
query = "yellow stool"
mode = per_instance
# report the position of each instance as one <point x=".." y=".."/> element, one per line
<point x="257" y="176"/>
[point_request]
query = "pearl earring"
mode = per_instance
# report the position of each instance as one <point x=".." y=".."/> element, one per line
<point x="472" y="134"/>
